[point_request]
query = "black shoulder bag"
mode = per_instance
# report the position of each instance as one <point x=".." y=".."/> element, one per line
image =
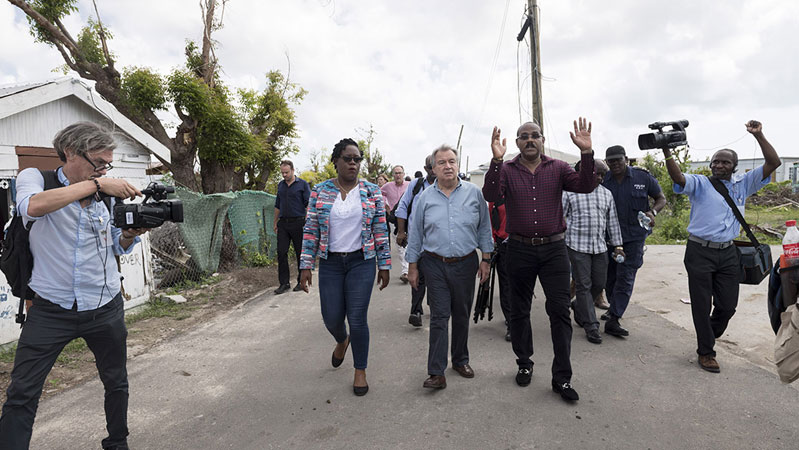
<point x="755" y="258"/>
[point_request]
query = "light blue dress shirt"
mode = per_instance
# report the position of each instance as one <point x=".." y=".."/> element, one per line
<point x="70" y="248"/>
<point x="451" y="226"/>
<point x="405" y="200"/>
<point x="711" y="217"/>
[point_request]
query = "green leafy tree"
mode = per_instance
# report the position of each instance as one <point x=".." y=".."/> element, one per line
<point x="321" y="168"/>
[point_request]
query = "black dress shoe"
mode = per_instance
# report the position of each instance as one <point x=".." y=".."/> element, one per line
<point x="507" y="335"/>
<point x="360" y="391"/>
<point x="566" y="391"/>
<point x="613" y="328"/>
<point x="283" y="288"/>
<point x="435" y="382"/>
<point x="415" y="319"/>
<point x="297" y="288"/>
<point x="605" y="316"/>
<point x="593" y="336"/>
<point x="524" y="376"/>
<point x="336" y="361"/>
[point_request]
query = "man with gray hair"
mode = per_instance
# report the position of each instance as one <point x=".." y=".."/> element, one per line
<point x="75" y="279"/>
<point x="450" y="222"/>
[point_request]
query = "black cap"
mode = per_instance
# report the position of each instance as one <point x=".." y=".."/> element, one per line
<point x="615" y="152"/>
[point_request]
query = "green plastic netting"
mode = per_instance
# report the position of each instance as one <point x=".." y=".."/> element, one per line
<point x="250" y="213"/>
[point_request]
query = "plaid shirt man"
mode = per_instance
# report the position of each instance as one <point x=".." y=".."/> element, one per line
<point x="589" y="219"/>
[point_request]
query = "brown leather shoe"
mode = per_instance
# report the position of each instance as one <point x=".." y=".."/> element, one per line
<point x="465" y="371"/>
<point x="435" y="382"/>
<point x="709" y="363"/>
<point x="600" y="302"/>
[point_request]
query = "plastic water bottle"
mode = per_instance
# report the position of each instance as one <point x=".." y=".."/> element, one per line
<point x="619" y="258"/>
<point x="789" y="273"/>
<point x="644" y="221"/>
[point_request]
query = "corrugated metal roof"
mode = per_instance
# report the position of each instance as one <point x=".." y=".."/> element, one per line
<point x="11" y="89"/>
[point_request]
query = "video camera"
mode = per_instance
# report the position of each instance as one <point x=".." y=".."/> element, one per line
<point x="664" y="139"/>
<point x="149" y="214"/>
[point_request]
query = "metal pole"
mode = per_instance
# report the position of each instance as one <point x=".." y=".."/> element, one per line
<point x="535" y="63"/>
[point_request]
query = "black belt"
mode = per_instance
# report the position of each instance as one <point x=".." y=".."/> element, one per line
<point x="293" y="218"/>
<point x="709" y="244"/>
<point x="449" y="260"/>
<point x="344" y="253"/>
<point x="538" y="241"/>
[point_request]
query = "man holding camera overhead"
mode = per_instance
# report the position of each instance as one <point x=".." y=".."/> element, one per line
<point x="711" y="259"/>
<point x="75" y="278"/>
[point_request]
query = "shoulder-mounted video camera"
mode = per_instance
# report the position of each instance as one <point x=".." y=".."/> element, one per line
<point x="152" y="212"/>
<point x="673" y="138"/>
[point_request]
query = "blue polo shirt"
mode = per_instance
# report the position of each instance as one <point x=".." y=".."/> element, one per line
<point x="711" y="216"/>
<point x="632" y="195"/>
<point x="292" y="201"/>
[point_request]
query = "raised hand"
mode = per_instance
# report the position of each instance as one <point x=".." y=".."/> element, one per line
<point x="582" y="135"/>
<point x="754" y="127"/>
<point x="498" y="148"/>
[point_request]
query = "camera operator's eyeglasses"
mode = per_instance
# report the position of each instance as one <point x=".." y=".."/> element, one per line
<point x="95" y="166"/>
<point x="349" y="159"/>
<point x="526" y="136"/>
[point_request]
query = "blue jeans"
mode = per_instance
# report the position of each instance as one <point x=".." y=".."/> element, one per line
<point x="345" y="287"/>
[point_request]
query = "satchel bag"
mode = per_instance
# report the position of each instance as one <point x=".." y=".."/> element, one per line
<point x="755" y="258"/>
<point x="786" y="346"/>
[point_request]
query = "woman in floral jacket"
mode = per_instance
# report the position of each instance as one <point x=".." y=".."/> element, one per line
<point x="346" y="227"/>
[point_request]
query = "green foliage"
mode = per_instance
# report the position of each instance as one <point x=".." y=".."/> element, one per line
<point x="90" y="45"/>
<point x="260" y="256"/>
<point x="321" y="168"/>
<point x="675" y="203"/>
<point x="156" y="307"/>
<point x="52" y="10"/>
<point x="374" y="162"/>
<point x="143" y="89"/>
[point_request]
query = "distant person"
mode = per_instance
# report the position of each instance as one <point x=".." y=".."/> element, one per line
<point x="291" y="203"/>
<point x="392" y="193"/>
<point x="346" y="228"/>
<point x="404" y="222"/>
<point x="418" y="174"/>
<point x="450" y="222"/>
<point x="382" y="179"/>
<point x="532" y="186"/>
<point x="589" y="219"/>
<point x="711" y="259"/>
<point x="497" y="213"/>
<point x="407" y="178"/>
<point x="76" y="281"/>
<point x="632" y="187"/>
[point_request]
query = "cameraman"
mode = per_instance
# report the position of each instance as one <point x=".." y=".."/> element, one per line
<point x="76" y="280"/>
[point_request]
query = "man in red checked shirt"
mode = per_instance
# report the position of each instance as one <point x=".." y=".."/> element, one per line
<point x="532" y="186"/>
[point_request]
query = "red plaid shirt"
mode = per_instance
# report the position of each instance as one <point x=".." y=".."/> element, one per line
<point x="533" y="200"/>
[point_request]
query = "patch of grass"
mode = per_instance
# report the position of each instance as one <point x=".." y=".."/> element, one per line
<point x="7" y="353"/>
<point x="186" y="285"/>
<point x="155" y="307"/>
<point x="72" y="351"/>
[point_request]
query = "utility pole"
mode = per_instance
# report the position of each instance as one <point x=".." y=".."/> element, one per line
<point x="535" y="60"/>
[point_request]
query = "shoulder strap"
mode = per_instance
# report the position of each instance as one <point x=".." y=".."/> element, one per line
<point x="726" y="194"/>
<point x="51" y="180"/>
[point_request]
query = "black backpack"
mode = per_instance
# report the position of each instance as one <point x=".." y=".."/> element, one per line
<point x="419" y="186"/>
<point x="16" y="260"/>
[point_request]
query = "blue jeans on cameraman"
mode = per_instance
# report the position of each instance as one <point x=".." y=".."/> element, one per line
<point x="345" y="288"/>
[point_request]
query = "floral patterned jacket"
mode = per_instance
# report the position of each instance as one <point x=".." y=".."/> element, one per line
<point x="374" y="230"/>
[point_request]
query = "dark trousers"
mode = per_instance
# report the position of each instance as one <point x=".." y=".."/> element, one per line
<point x="450" y="292"/>
<point x="345" y="288"/>
<point x="417" y="295"/>
<point x="621" y="277"/>
<point x="712" y="279"/>
<point x="589" y="273"/>
<point x="501" y="258"/>
<point x="289" y="231"/>
<point x="48" y="329"/>
<point x="550" y="263"/>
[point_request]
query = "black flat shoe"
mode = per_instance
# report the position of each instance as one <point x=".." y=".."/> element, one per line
<point x="336" y="361"/>
<point x="360" y="391"/>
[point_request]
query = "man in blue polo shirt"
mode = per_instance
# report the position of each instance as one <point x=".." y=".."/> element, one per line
<point x="711" y="259"/>
<point x="76" y="281"/>
<point x="291" y="205"/>
<point x="631" y="188"/>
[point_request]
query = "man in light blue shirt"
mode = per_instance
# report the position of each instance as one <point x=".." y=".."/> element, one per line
<point x="711" y="259"/>
<point x="404" y="219"/>
<point x="75" y="278"/>
<point x="450" y="221"/>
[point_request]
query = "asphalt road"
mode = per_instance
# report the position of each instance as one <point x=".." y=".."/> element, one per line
<point x="260" y="377"/>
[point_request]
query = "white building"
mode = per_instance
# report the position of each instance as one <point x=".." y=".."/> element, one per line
<point x="30" y="116"/>
<point x="477" y="176"/>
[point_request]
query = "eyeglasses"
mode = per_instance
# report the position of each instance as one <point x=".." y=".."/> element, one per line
<point x="526" y="136"/>
<point x="349" y="159"/>
<point x="95" y="166"/>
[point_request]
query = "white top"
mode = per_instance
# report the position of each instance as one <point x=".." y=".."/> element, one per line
<point x="346" y="217"/>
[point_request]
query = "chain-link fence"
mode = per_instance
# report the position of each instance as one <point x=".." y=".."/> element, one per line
<point x="219" y="232"/>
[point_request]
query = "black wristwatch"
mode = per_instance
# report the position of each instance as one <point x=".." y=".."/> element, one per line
<point x="488" y="260"/>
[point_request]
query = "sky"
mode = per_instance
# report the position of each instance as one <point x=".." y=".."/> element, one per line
<point x="416" y="71"/>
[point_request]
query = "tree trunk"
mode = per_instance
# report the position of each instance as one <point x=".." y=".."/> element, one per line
<point x="216" y="177"/>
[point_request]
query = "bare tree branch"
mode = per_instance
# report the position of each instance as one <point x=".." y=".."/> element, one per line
<point x="208" y="59"/>
<point x="63" y="29"/>
<point x="108" y="60"/>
